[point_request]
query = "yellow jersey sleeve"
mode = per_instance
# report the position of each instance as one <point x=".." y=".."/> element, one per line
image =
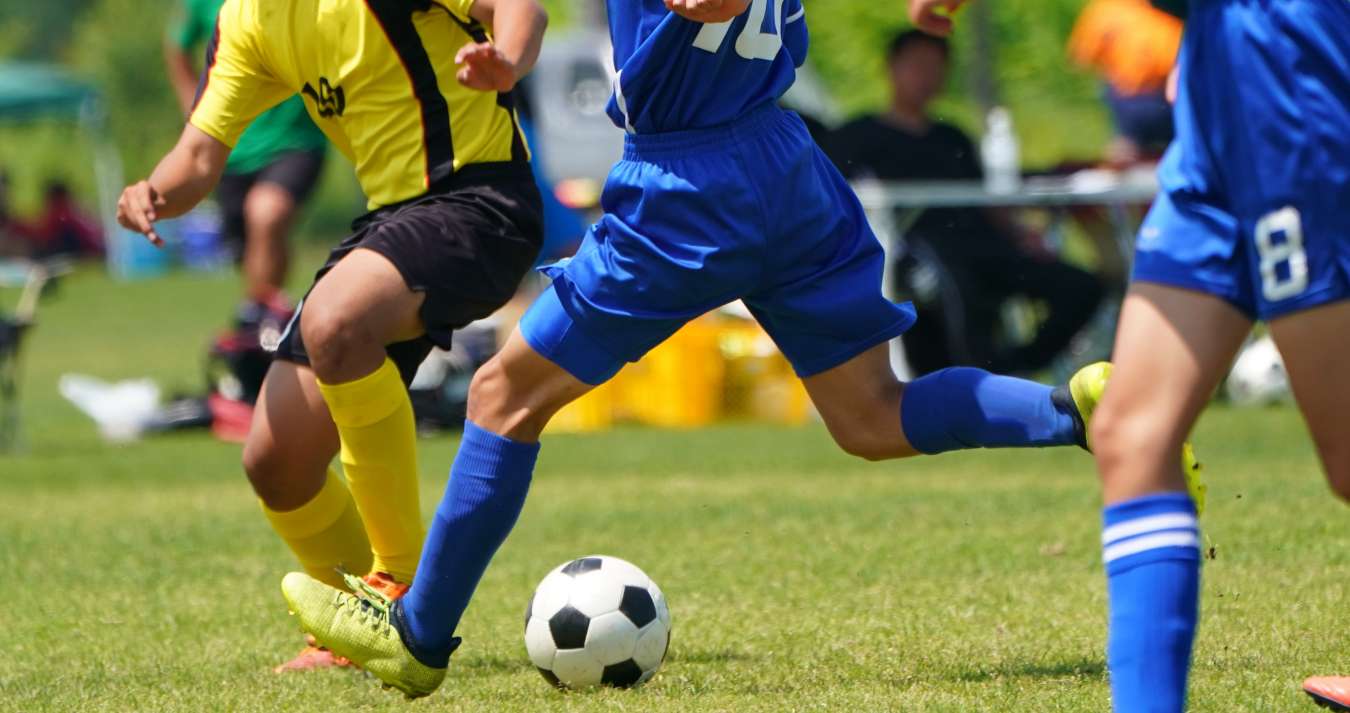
<point x="236" y="85"/>
<point x="459" y="7"/>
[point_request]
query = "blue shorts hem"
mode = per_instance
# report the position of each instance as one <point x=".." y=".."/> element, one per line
<point x="1171" y="278"/>
<point x="808" y="368"/>
<point x="553" y="333"/>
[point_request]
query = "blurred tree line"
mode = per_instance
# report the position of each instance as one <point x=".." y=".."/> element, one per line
<point x="117" y="44"/>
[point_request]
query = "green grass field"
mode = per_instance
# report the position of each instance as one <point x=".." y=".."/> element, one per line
<point x="143" y="578"/>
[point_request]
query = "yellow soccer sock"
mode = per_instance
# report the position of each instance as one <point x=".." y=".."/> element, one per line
<point x="326" y="534"/>
<point x="374" y="417"/>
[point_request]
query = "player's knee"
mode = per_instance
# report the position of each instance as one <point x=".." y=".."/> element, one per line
<point x="870" y="430"/>
<point x="1123" y="439"/>
<point x="333" y="335"/>
<point x="517" y="408"/>
<point x="865" y="445"/>
<point x="498" y="405"/>
<point x="266" y="468"/>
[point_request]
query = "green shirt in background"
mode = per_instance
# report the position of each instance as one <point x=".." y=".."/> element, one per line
<point x="285" y="127"/>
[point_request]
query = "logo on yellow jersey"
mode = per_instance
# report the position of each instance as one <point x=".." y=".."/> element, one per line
<point x="331" y="101"/>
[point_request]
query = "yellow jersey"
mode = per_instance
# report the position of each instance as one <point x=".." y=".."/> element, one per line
<point x="377" y="76"/>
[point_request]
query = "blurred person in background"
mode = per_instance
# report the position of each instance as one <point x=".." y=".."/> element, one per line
<point x="981" y="257"/>
<point x="270" y="174"/>
<point x="1133" y="46"/>
<point x="62" y="229"/>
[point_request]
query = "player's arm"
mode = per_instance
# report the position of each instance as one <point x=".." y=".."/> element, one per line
<point x="934" y="16"/>
<point x="710" y="11"/>
<point x="517" y="34"/>
<point x="181" y="180"/>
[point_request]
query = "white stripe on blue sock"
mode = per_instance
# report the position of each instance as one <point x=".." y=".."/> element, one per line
<point x="1151" y="523"/>
<point x="1150" y="542"/>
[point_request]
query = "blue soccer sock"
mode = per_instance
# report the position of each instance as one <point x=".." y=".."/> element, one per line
<point x="963" y="407"/>
<point x="488" y="483"/>
<point x="1151" y="549"/>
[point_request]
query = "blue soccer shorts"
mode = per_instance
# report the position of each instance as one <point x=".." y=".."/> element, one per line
<point x="1255" y="206"/>
<point x="694" y="220"/>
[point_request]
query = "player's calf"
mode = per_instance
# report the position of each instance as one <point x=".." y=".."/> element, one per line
<point x="1338" y="474"/>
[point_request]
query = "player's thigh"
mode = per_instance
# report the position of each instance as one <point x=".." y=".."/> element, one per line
<point x="1173" y="345"/>
<point x="292" y="439"/>
<point x="517" y="391"/>
<point x="1314" y="344"/>
<point x="859" y="401"/>
<point x="365" y="299"/>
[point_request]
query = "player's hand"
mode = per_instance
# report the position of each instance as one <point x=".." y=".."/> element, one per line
<point x="934" y="16"/>
<point x="483" y="67"/>
<point x="709" y="11"/>
<point x="137" y="210"/>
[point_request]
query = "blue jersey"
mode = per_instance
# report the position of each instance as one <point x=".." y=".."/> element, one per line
<point x="675" y="74"/>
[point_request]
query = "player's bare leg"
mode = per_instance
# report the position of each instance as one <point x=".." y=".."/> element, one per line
<point x="353" y="312"/>
<point x="1172" y="347"/>
<point x="518" y="391"/>
<point x="292" y="440"/>
<point x="269" y="212"/>
<point x="859" y="401"/>
<point x="1314" y="344"/>
<point x="287" y="458"/>
<point x="872" y="415"/>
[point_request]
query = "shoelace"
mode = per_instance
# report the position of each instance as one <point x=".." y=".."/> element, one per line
<point x="365" y="602"/>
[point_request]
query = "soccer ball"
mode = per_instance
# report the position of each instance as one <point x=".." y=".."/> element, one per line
<point x="597" y="621"/>
<point x="1258" y="376"/>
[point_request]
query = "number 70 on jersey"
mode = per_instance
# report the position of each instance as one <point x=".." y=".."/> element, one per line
<point x="754" y="42"/>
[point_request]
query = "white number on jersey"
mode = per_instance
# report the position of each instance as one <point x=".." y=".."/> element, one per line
<point x="1288" y="252"/>
<point x="754" y="42"/>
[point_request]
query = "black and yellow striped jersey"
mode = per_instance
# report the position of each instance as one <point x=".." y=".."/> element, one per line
<point x="377" y="76"/>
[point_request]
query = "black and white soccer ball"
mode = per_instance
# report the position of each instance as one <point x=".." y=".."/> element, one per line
<point x="597" y="621"/>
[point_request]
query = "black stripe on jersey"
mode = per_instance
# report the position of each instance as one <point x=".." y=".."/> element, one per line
<point x="505" y="100"/>
<point x="395" y="16"/>
<point x="205" y="79"/>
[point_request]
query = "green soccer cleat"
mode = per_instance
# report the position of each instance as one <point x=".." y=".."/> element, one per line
<point x="1085" y="391"/>
<point x="358" y="627"/>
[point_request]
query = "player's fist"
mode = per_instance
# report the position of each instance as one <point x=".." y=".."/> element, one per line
<point x="137" y="210"/>
<point x="483" y="67"/>
<point x="710" y="11"/>
<point x="934" y="16"/>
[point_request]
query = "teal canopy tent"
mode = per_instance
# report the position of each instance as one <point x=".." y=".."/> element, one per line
<point x="32" y="92"/>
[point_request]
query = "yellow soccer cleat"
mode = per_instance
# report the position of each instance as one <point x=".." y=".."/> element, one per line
<point x="1086" y="389"/>
<point x="358" y="627"/>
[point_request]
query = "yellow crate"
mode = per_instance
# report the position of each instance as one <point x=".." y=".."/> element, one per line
<point x="760" y="384"/>
<point x="592" y="412"/>
<point x="679" y="383"/>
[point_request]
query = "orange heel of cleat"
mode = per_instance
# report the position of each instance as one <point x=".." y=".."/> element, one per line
<point x="312" y="658"/>
<point x="1329" y="691"/>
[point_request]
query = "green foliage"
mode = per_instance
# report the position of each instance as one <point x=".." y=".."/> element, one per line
<point x="144" y="578"/>
<point x="119" y="45"/>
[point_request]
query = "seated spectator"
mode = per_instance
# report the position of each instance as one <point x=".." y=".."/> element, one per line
<point x="1133" y="46"/>
<point x="980" y="258"/>
<point x="61" y="229"/>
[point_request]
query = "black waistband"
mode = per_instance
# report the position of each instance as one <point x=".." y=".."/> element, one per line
<point x="474" y="174"/>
